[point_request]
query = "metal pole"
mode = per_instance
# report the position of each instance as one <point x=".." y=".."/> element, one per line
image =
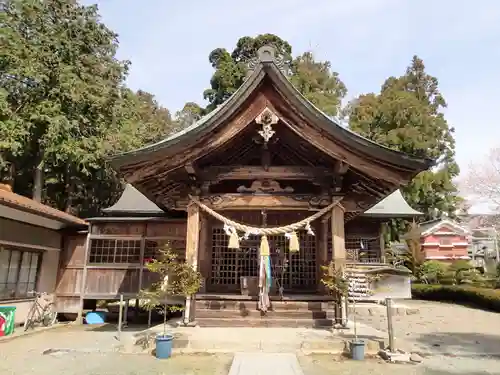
<point x="120" y="317"/>
<point x="496" y="245"/>
<point x="149" y="318"/>
<point x="125" y="313"/>
<point x="390" y="330"/>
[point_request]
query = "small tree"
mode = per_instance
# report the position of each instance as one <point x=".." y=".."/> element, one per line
<point x="413" y="258"/>
<point x="177" y="278"/>
<point x="337" y="281"/>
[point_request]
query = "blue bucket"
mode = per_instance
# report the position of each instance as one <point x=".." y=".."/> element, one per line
<point x="96" y="317"/>
<point x="164" y="346"/>
<point x="357" y="350"/>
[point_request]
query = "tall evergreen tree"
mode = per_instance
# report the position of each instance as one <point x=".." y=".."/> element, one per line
<point x="314" y="79"/>
<point x="407" y="116"/>
<point x="63" y="104"/>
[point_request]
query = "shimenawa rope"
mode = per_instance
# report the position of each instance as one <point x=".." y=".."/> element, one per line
<point x="265" y="231"/>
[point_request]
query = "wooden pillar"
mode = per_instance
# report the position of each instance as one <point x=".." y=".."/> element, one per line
<point x="141" y="260"/>
<point x="192" y="245"/>
<point x="382" y="234"/>
<point x="322" y="252"/>
<point x="338" y="235"/>
<point x="79" y="318"/>
<point x="338" y="254"/>
<point x="203" y="251"/>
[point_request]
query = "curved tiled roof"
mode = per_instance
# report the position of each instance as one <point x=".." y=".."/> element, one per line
<point x="268" y="68"/>
<point x="17" y="201"/>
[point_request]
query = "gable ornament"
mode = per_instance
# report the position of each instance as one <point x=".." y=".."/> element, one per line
<point x="267" y="119"/>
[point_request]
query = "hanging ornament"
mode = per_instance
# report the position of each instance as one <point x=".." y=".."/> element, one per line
<point x="269" y="278"/>
<point x="293" y="245"/>
<point x="264" y="246"/>
<point x="234" y="241"/>
<point x="309" y="229"/>
<point x="245" y="236"/>
<point x="248" y="233"/>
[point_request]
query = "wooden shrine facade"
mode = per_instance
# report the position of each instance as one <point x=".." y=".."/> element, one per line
<point x="266" y="157"/>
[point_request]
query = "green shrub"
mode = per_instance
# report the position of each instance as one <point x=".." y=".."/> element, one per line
<point x="448" y="278"/>
<point x="431" y="271"/>
<point x="460" y="265"/>
<point x="488" y="299"/>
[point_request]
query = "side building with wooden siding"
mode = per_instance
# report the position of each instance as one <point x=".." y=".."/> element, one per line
<point x="32" y="237"/>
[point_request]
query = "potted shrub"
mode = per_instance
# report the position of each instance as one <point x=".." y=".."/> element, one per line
<point x="336" y="280"/>
<point x="177" y="279"/>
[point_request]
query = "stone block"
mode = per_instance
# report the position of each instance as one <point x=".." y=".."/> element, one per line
<point x="411" y="311"/>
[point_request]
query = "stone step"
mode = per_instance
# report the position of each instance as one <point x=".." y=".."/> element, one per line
<point x="252" y="305"/>
<point x="264" y="322"/>
<point x="256" y="314"/>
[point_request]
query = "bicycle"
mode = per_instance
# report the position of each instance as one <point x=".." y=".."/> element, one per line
<point x="40" y="313"/>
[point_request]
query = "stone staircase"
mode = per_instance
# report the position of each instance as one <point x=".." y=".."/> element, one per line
<point x="283" y="313"/>
<point x="359" y="287"/>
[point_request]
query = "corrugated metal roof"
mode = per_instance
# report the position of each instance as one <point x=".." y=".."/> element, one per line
<point x="393" y="205"/>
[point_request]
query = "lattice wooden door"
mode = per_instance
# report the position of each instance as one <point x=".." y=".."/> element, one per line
<point x="228" y="265"/>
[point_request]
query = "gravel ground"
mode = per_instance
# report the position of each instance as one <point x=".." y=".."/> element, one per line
<point x="91" y="350"/>
<point x="441" y="327"/>
<point x="325" y="365"/>
<point x="438" y="327"/>
<point x="117" y="364"/>
<point x="122" y="364"/>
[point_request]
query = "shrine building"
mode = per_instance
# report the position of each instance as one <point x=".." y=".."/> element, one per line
<point x="266" y="158"/>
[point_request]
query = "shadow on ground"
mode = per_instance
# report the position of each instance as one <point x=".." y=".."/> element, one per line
<point x="111" y="327"/>
<point x="429" y="371"/>
<point x="463" y="342"/>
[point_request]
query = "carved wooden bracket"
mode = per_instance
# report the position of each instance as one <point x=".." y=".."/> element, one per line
<point x="265" y="186"/>
<point x="265" y="201"/>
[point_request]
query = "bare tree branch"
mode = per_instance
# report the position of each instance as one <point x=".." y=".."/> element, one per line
<point x="482" y="181"/>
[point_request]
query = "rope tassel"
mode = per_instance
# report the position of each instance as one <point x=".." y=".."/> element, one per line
<point x="234" y="241"/>
<point x="264" y="246"/>
<point x="293" y="239"/>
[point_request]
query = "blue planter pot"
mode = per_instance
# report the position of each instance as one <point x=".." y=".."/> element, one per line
<point x="357" y="350"/>
<point x="164" y="346"/>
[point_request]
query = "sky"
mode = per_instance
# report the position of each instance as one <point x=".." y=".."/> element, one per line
<point x="366" y="41"/>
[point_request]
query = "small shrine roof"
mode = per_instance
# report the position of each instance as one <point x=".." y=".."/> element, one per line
<point x="394" y="205"/>
<point x="133" y="202"/>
